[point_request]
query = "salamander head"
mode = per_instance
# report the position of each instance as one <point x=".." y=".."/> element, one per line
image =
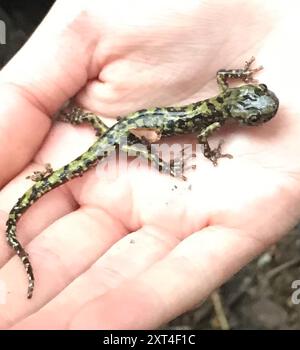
<point x="251" y="104"/>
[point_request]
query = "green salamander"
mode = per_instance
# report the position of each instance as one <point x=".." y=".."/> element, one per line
<point x="249" y="104"/>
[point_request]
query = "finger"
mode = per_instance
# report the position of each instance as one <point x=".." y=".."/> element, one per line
<point x="125" y="259"/>
<point x="19" y="135"/>
<point x="60" y="253"/>
<point x="46" y="67"/>
<point x="173" y="285"/>
<point x="36" y="82"/>
<point x="57" y="202"/>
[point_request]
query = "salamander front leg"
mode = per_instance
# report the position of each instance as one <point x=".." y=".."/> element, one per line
<point x="212" y="154"/>
<point x="245" y="74"/>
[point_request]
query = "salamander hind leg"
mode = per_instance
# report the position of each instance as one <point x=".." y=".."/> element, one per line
<point x="40" y="175"/>
<point x="76" y="116"/>
<point x="173" y="168"/>
<point x="181" y="163"/>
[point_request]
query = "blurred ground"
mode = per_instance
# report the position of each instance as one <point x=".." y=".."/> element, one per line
<point x="259" y="296"/>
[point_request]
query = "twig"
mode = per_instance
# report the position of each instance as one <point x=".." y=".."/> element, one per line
<point x="219" y="310"/>
<point x="272" y="273"/>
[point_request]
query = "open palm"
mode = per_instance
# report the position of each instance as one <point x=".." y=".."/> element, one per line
<point x="135" y="248"/>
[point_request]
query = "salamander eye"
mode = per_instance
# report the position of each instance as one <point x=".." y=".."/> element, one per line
<point x="263" y="87"/>
<point x="253" y="119"/>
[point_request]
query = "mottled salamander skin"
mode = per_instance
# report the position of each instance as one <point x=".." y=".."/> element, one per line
<point x="249" y="104"/>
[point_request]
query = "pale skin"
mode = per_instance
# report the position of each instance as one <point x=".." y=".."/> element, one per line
<point x="127" y="250"/>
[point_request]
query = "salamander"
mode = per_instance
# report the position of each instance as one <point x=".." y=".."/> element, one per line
<point x="249" y="104"/>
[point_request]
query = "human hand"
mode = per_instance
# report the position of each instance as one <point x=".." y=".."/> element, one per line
<point x="129" y="250"/>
